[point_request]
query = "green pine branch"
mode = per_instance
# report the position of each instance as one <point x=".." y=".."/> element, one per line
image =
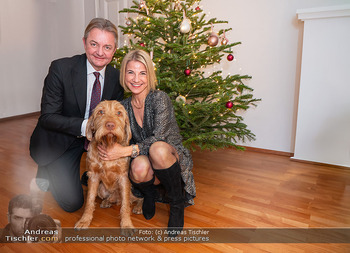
<point x="203" y="117"/>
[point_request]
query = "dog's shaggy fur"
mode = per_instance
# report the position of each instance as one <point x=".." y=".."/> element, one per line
<point x="108" y="124"/>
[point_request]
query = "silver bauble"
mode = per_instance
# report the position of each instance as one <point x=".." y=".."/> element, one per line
<point x="128" y="22"/>
<point x="185" y="26"/>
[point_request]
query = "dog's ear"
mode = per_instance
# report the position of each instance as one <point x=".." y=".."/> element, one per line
<point x="90" y="128"/>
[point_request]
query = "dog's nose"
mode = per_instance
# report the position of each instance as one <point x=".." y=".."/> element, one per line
<point x="110" y="125"/>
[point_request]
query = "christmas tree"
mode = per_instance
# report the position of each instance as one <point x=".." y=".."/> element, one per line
<point x="183" y="45"/>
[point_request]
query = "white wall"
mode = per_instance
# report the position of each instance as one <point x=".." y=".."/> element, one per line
<point x="323" y="123"/>
<point x="271" y="37"/>
<point x="34" y="32"/>
<point x="108" y="9"/>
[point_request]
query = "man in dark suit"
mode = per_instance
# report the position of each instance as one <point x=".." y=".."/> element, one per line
<point x="58" y="140"/>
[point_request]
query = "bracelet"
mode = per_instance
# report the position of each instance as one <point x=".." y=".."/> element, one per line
<point x="134" y="152"/>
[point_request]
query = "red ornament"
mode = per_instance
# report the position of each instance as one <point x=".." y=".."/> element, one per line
<point x="230" y="57"/>
<point x="198" y="8"/>
<point x="142" y="44"/>
<point x="187" y="72"/>
<point x="229" y="104"/>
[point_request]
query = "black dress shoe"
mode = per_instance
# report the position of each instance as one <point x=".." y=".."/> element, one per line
<point x="84" y="179"/>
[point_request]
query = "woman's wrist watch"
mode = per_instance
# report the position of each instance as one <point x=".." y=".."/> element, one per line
<point x="134" y="152"/>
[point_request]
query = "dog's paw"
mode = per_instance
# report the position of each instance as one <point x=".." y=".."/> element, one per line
<point x="82" y="224"/>
<point x="126" y="226"/>
<point x="137" y="209"/>
<point x="105" y="204"/>
<point x="127" y="231"/>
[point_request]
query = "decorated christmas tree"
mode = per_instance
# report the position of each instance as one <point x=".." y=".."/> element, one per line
<point x="184" y="46"/>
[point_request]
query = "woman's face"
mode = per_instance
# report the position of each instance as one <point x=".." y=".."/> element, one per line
<point x="136" y="77"/>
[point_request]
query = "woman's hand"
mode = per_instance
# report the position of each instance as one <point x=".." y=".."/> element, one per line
<point x="113" y="153"/>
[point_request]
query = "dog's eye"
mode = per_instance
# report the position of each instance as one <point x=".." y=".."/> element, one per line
<point x="119" y="113"/>
<point x="100" y="112"/>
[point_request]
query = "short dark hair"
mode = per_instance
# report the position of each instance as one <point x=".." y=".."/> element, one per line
<point x="104" y="25"/>
<point x="20" y="201"/>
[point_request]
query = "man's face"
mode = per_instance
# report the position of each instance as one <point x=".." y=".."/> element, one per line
<point x="99" y="47"/>
<point x="18" y="218"/>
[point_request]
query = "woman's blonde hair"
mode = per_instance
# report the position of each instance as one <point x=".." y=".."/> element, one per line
<point x="145" y="59"/>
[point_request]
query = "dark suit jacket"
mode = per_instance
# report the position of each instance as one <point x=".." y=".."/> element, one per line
<point x="63" y="106"/>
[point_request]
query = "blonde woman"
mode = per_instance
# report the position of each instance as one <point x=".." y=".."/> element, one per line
<point x="161" y="168"/>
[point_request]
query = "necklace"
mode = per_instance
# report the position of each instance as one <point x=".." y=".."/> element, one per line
<point x="137" y="107"/>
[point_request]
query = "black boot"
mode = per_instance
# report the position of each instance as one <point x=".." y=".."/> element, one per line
<point x="149" y="192"/>
<point x="84" y="178"/>
<point x="171" y="180"/>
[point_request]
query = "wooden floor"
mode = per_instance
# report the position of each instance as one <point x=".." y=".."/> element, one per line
<point x="234" y="189"/>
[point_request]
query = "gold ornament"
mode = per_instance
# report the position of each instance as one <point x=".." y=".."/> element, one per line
<point x="224" y="40"/>
<point x="181" y="99"/>
<point x="143" y="6"/>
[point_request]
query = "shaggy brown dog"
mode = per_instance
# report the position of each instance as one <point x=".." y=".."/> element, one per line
<point x="108" y="124"/>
